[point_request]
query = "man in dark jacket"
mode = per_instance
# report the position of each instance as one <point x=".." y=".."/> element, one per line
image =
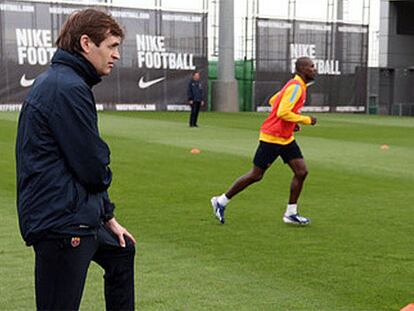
<point x="195" y="97"/>
<point x="63" y="174"/>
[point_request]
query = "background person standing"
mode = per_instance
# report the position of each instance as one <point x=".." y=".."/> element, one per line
<point x="195" y="97"/>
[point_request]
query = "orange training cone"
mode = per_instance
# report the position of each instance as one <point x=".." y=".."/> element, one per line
<point x="409" y="307"/>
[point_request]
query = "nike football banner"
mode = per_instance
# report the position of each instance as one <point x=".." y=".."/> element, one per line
<point x="160" y="51"/>
<point x="339" y="51"/>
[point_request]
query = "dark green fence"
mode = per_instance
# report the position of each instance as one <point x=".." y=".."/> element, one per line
<point x="244" y="73"/>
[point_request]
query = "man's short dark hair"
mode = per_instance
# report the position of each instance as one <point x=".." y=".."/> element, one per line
<point x="300" y="62"/>
<point x="97" y="25"/>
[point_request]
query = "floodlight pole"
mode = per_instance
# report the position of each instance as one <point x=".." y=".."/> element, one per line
<point x="340" y="10"/>
<point x="224" y="89"/>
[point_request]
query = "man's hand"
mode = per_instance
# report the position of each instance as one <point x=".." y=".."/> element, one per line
<point x="313" y="120"/>
<point x="119" y="231"/>
<point x="202" y="103"/>
<point x="190" y="102"/>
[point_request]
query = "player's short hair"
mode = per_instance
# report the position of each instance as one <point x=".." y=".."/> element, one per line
<point x="300" y="62"/>
<point x="97" y="25"/>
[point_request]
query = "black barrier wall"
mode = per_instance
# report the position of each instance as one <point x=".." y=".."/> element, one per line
<point x="339" y="51"/>
<point x="160" y="51"/>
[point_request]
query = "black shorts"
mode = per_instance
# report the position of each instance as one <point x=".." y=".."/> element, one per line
<point x="267" y="153"/>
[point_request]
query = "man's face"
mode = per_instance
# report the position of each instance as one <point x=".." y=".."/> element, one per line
<point x="308" y="70"/>
<point x="196" y="76"/>
<point x="103" y="57"/>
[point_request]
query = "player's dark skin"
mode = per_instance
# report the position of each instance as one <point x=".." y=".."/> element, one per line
<point x="305" y="68"/>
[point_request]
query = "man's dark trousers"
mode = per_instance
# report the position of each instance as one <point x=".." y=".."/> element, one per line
<point x="195" y="108"/>
<point x="62" y="264"/>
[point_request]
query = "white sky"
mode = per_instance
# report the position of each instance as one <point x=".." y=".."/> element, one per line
<point x="305" y="9"/>
<point x="308" y="9"/>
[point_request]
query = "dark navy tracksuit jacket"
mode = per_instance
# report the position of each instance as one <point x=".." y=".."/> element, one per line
<point x="195" y="91"/>
<point x="61" y="161"/>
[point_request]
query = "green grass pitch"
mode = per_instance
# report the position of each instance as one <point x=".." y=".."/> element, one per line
<point x="356" y="255"/>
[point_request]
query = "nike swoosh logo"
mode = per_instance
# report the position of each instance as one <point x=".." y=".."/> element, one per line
<point x="26" y="82"/>
<point x="144" y="84"/>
